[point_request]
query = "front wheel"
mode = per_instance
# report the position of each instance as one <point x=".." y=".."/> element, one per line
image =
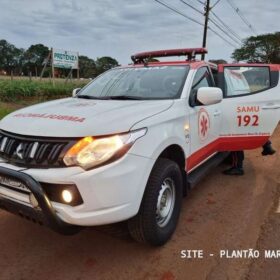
<point x="160" y="208"/>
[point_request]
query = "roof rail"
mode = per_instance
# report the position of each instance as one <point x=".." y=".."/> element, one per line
<point x="190" y="53"/>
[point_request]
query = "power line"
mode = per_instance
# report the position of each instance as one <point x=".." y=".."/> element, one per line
<point x="192" y="7"/>
<point x="226" y="26"/>
<point x="231" y="36"/>
<point x="178" y="12"/>
<point x="226" y="33"/>
<point x="200" y="2"/>
<point x="238" y="11"/>
<point x="222" y="37"/>
<point x="197" y="22"/>
<point x="217" y="2"/>
<point x="240" y="14"/>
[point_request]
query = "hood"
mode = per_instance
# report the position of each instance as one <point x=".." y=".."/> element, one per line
<point x="74" y="117"/>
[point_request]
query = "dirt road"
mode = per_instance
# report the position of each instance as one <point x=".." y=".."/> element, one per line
<point x="222" y="213"/>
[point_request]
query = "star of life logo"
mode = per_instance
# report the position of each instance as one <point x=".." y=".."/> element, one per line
<point x="203" y="124"/>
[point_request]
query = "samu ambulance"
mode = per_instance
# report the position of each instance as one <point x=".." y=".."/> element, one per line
<point x="130" y="144"/>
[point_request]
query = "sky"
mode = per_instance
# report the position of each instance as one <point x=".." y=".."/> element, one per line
<point x="119" y="28"/>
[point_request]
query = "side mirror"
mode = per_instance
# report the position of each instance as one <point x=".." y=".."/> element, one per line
<point x="75" y="91"/>
<point x="209" y="95"/>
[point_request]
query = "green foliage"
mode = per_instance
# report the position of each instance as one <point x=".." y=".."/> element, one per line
<point x="34" y="57"/>
<point x="218" y="61"/>
<point x="262" y="48"/>
<point x="87" y="67"/>
<point x="11" y="58"/>
<point x="32" y="60"/>
<point x="4" y="112"/>
<point x="105" y="63"/>
<point x="24" y="90"/>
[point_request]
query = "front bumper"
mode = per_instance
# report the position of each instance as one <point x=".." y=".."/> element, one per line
<point x="44" y="213"/>
<point x="110" y="194"/>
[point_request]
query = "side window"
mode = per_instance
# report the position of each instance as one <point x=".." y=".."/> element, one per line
<point x="246" y="80"/>
<point x="202" y="78"/>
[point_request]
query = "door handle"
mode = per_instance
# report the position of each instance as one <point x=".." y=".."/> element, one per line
<point x="271" y="107"/>
<point x="217" y="113"/>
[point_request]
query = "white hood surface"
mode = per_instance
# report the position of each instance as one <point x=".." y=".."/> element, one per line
<point x="74" y="117"/>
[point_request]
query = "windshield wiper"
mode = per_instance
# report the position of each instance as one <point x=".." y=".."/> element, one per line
<point x="117" y="97"/>
<point x="90" y="97"/>
<point x="125" y="97"/>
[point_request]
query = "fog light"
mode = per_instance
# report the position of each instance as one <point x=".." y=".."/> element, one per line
<point x="67" y="196"/>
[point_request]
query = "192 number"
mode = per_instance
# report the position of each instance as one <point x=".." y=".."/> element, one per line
<point x="248" y="120"/>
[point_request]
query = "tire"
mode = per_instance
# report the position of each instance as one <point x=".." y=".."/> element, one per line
<point x="155" y="222"/>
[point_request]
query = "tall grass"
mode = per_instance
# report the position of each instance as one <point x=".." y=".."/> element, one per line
<point x="25" y="90"/>
<point x="5" y="111"/>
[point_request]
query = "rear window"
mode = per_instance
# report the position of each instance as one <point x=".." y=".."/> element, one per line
<point x="246" y="80"/>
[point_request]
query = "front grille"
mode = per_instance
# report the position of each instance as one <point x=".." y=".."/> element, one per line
<point x="35" y="152"/>
<point x="13" y="184"/>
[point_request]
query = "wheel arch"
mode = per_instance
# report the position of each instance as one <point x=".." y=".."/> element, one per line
<point x="176" y="153"/>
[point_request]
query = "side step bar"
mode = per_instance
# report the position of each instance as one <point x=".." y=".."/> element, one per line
<point x="200" y="172"/>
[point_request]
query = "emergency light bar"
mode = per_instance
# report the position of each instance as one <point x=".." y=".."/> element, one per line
<point x="190" y="53"/>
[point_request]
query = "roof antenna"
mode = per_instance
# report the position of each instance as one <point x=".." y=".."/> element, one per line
<point x="146" y="61"/>
<point x="191" y="56"/>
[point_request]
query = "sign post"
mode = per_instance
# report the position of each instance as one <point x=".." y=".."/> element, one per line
<point x="62" y="59"/>
<point x="46" y="61"/>
<point x="65" y="59"/>
<point x="78" y="69"/>
<point x="52" y="68"/>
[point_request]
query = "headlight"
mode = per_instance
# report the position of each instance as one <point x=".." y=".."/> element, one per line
<point x="90" y="152"/>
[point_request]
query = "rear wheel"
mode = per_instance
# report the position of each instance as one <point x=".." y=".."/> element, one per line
<point x="161" y="204"/>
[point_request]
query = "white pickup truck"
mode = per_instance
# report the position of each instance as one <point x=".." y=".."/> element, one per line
<point x="131" y="143"/>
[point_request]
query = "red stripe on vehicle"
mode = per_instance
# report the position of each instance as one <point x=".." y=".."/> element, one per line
<point x="225" y="144"/>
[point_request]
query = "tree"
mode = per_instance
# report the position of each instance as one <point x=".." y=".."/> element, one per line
<point x="262" y="48"/>
<point x="87" y="67"/>
<point x="34" y="58"/>
<point x="105" y="63"/>
<point x="218" y="61"/>
<point x="20" y="61"/>
<point x="11" y="58"/>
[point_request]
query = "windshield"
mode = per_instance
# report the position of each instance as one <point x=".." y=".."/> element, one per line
<point x="164" y="82"/>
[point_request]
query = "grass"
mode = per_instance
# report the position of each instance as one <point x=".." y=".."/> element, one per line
<point x="21" y="92"/>
<point x="5" y="111"/>
<point x="24" y="91"/>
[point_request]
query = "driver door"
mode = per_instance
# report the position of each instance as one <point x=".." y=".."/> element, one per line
<point x="205" y="121"/>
